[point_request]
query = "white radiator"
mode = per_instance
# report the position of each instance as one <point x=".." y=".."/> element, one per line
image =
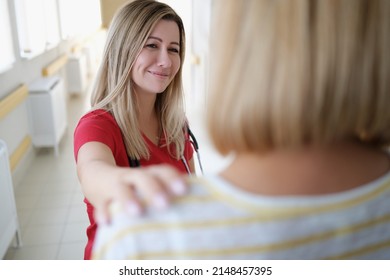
<point x="77" y="74"/>
<point x="47" y="110"/>
<point x="9" y="224"/>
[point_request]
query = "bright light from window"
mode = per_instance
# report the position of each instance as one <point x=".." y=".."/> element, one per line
<point x="79" y="18"/>
<point x="37" y="26"/>
<point x="7" y="57"/>
<point x="51" y="26"/>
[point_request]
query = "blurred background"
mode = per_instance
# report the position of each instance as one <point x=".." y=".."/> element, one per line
<point x="49" y="53"/>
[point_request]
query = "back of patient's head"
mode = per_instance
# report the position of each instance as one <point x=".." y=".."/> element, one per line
<point x="292" y="73"/>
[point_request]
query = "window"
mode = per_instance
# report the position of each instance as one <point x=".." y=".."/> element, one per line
<point x="37" y="23"/>
<point x="79" y="18"/>
<point x="51" y="23"/>
<point x="7" y="56"/>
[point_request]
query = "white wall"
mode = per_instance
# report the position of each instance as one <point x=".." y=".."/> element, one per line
<point x="201" y="11"/>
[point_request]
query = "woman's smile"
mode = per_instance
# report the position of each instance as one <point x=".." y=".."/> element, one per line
<point x="160" y="75"/>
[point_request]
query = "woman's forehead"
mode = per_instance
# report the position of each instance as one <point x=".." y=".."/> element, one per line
<point x="166" y="31"/>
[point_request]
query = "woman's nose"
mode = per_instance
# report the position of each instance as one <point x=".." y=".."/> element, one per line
<point x="164" y="59"/>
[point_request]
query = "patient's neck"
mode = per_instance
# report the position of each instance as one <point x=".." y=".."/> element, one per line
<point x="307" y="171"/>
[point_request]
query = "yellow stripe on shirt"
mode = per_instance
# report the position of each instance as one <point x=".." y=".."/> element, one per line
<point x="284" y="245"/>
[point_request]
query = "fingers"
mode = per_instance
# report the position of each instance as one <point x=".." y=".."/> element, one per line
<point x="137" y="189"/>
<point x="169" y="178"/>
<point x="156" y="186"/>
<point x="101" y="214"/>
<point x="128" y="199"/>
<point x="123" y="199"/>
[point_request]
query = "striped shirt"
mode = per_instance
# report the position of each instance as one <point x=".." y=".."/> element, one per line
<point x="219" y="221"/>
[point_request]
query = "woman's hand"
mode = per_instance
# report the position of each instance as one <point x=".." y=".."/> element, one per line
<point x="133" y="188"/>
<point x="139" y="188"/>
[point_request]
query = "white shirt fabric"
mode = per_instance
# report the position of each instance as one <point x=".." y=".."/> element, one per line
<point x="219" y="221"/>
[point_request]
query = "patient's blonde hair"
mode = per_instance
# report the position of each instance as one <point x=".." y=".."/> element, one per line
<point x="298" y="72"/>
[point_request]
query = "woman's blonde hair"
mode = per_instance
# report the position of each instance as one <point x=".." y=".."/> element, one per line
<point x="299" y="72"/>
<point x="113" y="90"/>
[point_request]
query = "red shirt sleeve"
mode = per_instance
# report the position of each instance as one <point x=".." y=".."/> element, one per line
<point x="100" y="126"/>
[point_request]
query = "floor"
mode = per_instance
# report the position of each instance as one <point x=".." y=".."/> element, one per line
<point x="49" y="200"/>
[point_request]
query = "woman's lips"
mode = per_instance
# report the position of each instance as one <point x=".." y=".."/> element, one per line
<point x="159" y="74"/>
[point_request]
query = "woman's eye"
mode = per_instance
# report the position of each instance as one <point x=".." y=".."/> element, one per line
<point x="174" y="50"/>
<point x="152" y="46"/>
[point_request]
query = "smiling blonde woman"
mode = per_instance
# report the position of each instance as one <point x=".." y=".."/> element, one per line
<point x="137" y="117"/>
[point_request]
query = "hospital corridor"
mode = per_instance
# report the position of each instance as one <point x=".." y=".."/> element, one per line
<point x="49" y="57"/>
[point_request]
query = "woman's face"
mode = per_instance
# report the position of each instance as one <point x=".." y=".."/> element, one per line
<point x="159" y="60"/>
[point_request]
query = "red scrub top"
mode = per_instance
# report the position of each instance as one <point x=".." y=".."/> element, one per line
<point x="100" y="126"/>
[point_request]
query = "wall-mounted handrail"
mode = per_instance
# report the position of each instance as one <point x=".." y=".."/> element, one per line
<point x="13" y="100"/>
<point x="56" y="65"/>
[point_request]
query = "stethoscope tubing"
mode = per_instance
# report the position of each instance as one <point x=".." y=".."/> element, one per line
<point x="136" y="163"/>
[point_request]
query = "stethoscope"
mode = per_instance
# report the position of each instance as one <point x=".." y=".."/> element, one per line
<point x="133" y="162"/>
